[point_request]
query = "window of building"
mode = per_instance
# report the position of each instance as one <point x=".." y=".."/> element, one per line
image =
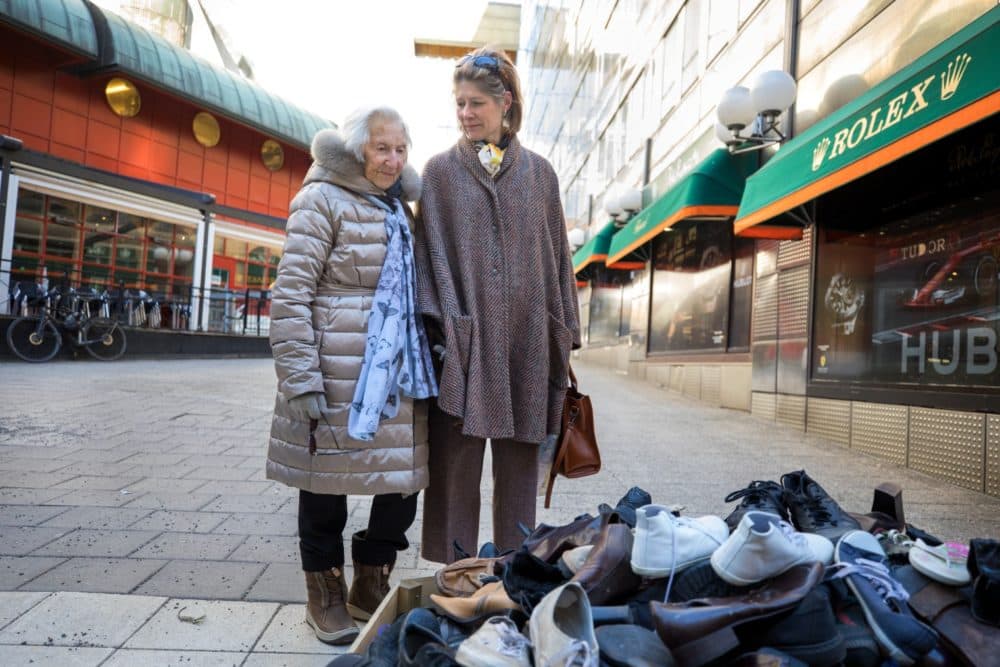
<point x="240" y="265"/>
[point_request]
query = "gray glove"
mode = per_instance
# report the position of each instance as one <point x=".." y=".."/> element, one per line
<point x="307" y="406"/>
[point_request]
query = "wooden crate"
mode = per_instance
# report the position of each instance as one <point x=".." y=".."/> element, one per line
<point x="408" y="594"/>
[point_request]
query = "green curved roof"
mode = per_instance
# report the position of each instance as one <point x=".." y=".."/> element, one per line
<point x="144" y="55"/>
<point x="65" y="22"/>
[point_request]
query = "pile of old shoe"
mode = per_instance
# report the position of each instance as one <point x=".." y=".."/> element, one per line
<point x="788" y="578"/>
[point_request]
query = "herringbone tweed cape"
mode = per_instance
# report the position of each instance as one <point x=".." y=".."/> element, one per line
<point x="494" y="273"/>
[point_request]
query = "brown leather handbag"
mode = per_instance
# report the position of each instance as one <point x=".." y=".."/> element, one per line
<point x="576" y="454"/>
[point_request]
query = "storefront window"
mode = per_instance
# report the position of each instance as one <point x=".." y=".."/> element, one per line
<point x="913" y="300"/>
<point x="692" y="268"/>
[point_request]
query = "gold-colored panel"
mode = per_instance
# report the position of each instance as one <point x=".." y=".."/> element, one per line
<point x="880" y="430"/>
<point x="272" y="155"/>
<point x="993" y="455"/>
<point x="123" y="97"/>
<point x="791" y="410"/>
<point x="829" y="418"/>
<point x="793" y="302"/>
<point x="762" y="405"/>
<point x="948" y="444"/>
<point x="692" y="381"/>
<point x="711" y="384"/>
<point x="206" y="129"/>
<point x="793" y="253"/>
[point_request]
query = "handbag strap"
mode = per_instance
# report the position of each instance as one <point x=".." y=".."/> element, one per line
<point x="572" y="377"/>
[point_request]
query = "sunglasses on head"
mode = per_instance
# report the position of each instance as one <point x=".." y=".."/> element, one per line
<point x="486" y="62"/>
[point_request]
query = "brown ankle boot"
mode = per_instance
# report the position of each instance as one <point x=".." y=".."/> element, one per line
<point x="368" y="588"/>
<point x="325" y="610"/>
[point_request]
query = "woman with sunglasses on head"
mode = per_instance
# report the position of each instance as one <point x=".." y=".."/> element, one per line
<point x="495" y="285"/>
<point x="352" y="363"/>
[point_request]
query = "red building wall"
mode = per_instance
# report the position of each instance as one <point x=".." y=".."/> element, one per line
<point x="66" y="116"/>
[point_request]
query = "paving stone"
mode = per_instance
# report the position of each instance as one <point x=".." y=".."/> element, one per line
<point x="23" y="656"/>
<point x="280" y="582"/>
<point x="219" y="473"/>
<point x="18" y="570"/>
<point x="162" y="472"/>
<point x="172" y="501"/>
<point x="34" y="480"/>
<point x="165" y="485"/>
<point x="21" y="540"/>
<point x="82" y="619"/>
<point x="268" y="549"/>
<point x="98" y="468"/>
<point x="96" y="456"/>
<point x="96" y="482"/>
<point x="194" y="546"/>
<point x="226" y="488"/>
<point x="13" y="605"/>
<point x="217" y="461"/>
<point x="188" y="522"/>
<point x="26" y="515"/>
<point x="288" y="633"/>
<point x="84" y="498"/>
<point x="35" y="451"/>
<point x="98" y="518"/>
<point x="12" y="496"/>
<point x="228" y="626"/>
<point x="211" y="580"/>
<point x="259" y="524"/>
<point x="125" y="657"/>
<point x="156" y="460"/>
<point x="96" y="575"/>
<point x="96" y="543"/>
<point x="294" y="659"/>
<point x="32" y="465"/>
<point x="243" y="503"/>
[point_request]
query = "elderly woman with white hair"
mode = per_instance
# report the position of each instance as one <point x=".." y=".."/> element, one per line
<point x="353" y="365"/>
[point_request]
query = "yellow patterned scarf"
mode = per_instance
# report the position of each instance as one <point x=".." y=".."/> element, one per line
<point x="491" y="157"/>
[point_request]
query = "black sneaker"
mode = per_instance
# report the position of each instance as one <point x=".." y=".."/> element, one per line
<point x="813" y="510"/>
<point x="633" y="499"/>
<point x="758" y="496"/>
<point x="861" y="562"/>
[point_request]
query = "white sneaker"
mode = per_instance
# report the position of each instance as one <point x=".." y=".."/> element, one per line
<point x="561" y="629"/>
<point x="763" y="546"/>
<point x="497" y="643"/>
<point x="665" y="543"/>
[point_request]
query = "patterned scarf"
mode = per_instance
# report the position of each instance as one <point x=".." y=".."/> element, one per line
<point x="490" y="156"/>
<point x="397" y="356"/>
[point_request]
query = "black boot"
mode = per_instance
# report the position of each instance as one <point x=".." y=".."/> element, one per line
<point x="984" y="566"/>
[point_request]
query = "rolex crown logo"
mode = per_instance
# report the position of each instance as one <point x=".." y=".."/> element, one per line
<point x="951" y="77"/>
<point x="820" y="152"/>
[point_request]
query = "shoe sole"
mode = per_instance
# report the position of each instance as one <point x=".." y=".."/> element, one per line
<point x="730" y="578"/>
<point x="357" y="613"/>
<point x="881" y="638"/>
<point x="339" y="638"/>
<point x="659" y="573"/>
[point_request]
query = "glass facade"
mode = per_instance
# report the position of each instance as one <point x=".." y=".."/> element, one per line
<point x="239" y="264"/>
<point x="63" y="240"/>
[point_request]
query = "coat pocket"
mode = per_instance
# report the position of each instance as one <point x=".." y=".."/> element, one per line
<point x="455" y="368"/>
<point x="560" y="344"/>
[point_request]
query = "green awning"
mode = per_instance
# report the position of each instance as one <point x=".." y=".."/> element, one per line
<point x="710" y="190"/>
<point x="143" y="55"/>
<point x="952" y="86"/>
<point x="594" y="250"/>
<point x="65" y="22"/>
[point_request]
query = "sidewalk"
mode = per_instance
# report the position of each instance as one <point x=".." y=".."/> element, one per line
<point x="133" y="490"/>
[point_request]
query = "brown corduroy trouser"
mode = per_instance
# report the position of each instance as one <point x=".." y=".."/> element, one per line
<point x="452" y="502"/>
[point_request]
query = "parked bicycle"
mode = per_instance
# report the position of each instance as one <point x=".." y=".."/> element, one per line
<point x="38" y="336"/>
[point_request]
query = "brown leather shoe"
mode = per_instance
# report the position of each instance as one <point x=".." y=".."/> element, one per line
<point x="548" y="542"/>
<point x="489" y="600"/>
<point x="326" y="612"/>
<point x="369" y="587"/>
<point x="607" y="575"/>
<point x="701" y="630"/>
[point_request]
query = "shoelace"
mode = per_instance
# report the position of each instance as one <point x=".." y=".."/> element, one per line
<point x="756" y="491"/>
<point x="575" y="654"/>
<point x="875" y="572"/>
<point x="689" y="523"/>
<point x="512" y="642"/>
<point x="793" y="535"/>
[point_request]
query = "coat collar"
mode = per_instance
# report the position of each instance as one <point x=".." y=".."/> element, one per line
<point x="333" y="163"/>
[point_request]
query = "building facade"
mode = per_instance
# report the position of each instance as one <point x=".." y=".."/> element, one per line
<point x="130" y="165"/>
<point x="845" y="283"/>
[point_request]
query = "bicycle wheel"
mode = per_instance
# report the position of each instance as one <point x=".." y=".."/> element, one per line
<point x="104" y="339"/>
<point x="33" y="340"/>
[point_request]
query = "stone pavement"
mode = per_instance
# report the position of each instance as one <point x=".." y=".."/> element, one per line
<point x="133" y="491"/>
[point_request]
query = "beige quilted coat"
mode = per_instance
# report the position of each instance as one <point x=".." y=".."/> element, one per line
<point x="333" y="254"/>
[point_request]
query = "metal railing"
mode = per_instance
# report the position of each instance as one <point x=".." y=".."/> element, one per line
<point x="184" y="308"/>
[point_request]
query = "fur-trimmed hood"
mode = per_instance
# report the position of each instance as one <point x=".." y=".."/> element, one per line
<point x="333" y="162"/>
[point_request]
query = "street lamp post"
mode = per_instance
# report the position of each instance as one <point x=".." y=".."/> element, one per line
<point x="749" y="118"/>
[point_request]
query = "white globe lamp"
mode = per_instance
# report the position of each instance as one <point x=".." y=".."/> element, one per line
<point x="773" y="92"/>
<point x="736" y="109"/>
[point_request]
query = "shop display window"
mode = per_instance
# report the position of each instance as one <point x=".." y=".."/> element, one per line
<point x="695" y="278"/>
<point x="912" y="301"/>
<point x="240" y="265"/>
<point x="610" y="308"/>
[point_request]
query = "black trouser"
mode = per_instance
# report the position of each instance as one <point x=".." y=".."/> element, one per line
<point x="322" y="518"/>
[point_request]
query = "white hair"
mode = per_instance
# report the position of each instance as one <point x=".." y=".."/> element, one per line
<point x="358" y="124"/>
